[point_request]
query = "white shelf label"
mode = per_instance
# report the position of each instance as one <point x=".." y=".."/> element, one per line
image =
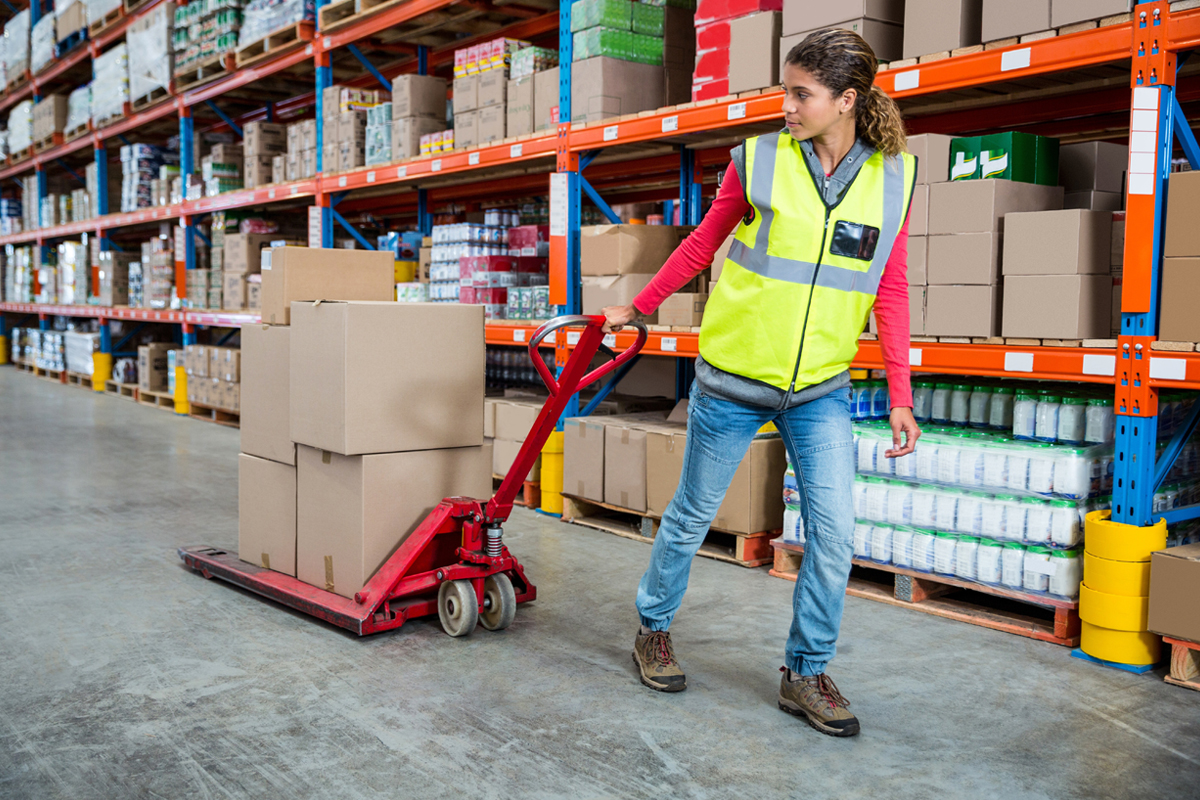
<point x="341" y="181"/>
<point x="1168" y="369"/>
<point x="436" y="166"/>
<point x="573" y="338"/>
<point x="736" y="111"/>
<point x="551" y="337"/>
<point x="515" y="151"/>
<point x="610" y="340"/>
<point x="295" y="190"/>
<point x="1018" y="362"/>
<point x="1015" y="59"/>
<point x="670" y="124"/>
<point x="558" y="204"/>
<point x="371" y="176"/>
<point x="1141" y="183"/>
<point x="1144" y="120"/>
<point x="1142" y="142"/>
<point x="518" y="335"/>
<point x="1145" y="97"/>
<point x="473" y="158"/>
<point x="308" y="50"/>
<point x="401" y="172"/>
<point x="610" y="132"/>
<point x="669" y="344"/>
<point x="1041" y="567"/>
<point x="328" y="42"/>
<point x="271" y="194"/>
<point x="914" y="356"/>
<point x="1099" y="365"/>
<point x="906" y="81"/>
<point x="1141" y="163"/>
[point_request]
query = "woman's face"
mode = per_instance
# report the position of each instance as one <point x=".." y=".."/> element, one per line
<point x="809" y="108"/>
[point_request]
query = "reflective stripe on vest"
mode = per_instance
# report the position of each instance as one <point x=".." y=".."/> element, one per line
<point x="758" y="261"/>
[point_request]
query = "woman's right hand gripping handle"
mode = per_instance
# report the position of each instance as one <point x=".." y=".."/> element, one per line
<point x="617" y="317"/>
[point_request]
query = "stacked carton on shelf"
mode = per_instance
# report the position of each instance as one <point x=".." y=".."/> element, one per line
<point x="1178" y="320"/>
<point x="879" y="22"/>
<point x="713" y="22"/>
<point x="418" y="109"/>
<point x="618" y="261"/>
<point x="299" y="156"/>
<point x="939" y="26"/>
<point x="263" y="141"/>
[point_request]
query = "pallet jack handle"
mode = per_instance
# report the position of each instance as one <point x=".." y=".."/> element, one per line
<point x="571" y="380"/>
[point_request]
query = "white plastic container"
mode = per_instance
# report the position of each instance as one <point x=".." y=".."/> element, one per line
<point x="1014" y="518"/>
<point x="881" y="543"/>
<point x="883" y="464"/>
<point x="1037" y="521"/>
<point x="995" y="466"/>
<point x="923" y="400"/>
<point x="1018" y="468"/>
<point x="1024" y="415"/>
<point x="1067" y="575"/>
<point x="1065" y="530"/>
<point x="965" y="555"/>
<point x="902" y="546"/>
<point x="981" y="406"/>
<point x="992" y="522"/>
<point x="899" y="504"/>
<point x="971" y="457"/>
<point x="862" y="539"/>
<point x="948" y="454"/>
<point x="906" y="466"/>
<point x="924" y="501"/>
<point x="969" y="519"/>
<point x="1012" y="565"/>
<point x="1041" y="468"/>
<point x="988" y="560"/>
<point x="860" y="497"/>
<point x="927" y="455"/>
<point x="1072" y="421"/>
<point x="793" y="525"/>
<point x="1038" y="569"/>
<point x="940" y="412"/>
<point x="865" y="450"/>
<point x="960" y="404"/>
<point x="945" y="510"/>
<point x="1046" y="418"/>
<point x="877" y="499"/>
<point x="1100" y="422"/>
<point x="1076" y="473"/>
<point x="944" y="546"/>
<point x="1000" y="412"/>
<point x="923" y="550"/>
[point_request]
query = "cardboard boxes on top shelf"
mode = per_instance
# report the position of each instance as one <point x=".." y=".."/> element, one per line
<point x="1178" y="320"/>
<point x="1005" y="19"/>
<point x="937" y="26"/>
<point x="418" y="108"/>
<point x="713" y="42"/>
<point x="262" y="141"/>
<point x="879" y="22"/>
<point x="1068" y="12"/>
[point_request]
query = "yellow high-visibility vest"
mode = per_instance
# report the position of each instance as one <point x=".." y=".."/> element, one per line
<point x="801" y="276"/>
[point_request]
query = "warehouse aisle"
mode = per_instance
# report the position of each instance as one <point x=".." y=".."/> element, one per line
<point x="125" y="675"/>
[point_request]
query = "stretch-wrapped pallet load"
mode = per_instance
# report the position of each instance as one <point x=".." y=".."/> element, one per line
<point x="140" y="166"/>
<point x="110" y="87"/>
<point x="149" y="39"/>
<point x="204" y="29"/>
<point x="16" y="47"/>
<point x="97" y="10"/>
<point x="263" y="17"/>
<point x="41" y="44"/>
<point x="79" y="108"/>
<point x="379" y="134"/>
<point x="20" y="129"/>
<point x="70" y="25"/>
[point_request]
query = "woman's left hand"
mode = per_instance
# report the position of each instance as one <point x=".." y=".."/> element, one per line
<point x="903" y="422"/>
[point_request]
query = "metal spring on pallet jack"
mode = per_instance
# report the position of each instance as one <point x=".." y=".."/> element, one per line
<point x="495" y="543"/>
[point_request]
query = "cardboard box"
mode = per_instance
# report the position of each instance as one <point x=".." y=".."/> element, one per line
<point x="918" y="211"/>
<point x="489" y="418"/>
<point x="583" y="458"/>
<point x="303" y="273"/>
<point x="216" y="361"/>
<point x="466" y="129"/>
<point x="1068" y="12"/>
<point x="614" y="290"/>
<point x="1069" y="242"/>
<point x="1178" y="320"/>
<point x="504" y="454"/>
<point x="466" y="94"/>
<point x="233" y="290"/>
<point x="352" y="126"/>
<point x="918" y="260"/>
<point x="1003" y="19"/>
<point x="519" y="110"/>
<point x="258" y="171"/>
<point x="626" y="249"/>
<point x="1174" y="601"/>
<point x="515" y="417"/>
<point x="351" y="155"/>
<point x="1115" y="330"/>
<point x="965" y="258"/>
<point x="493" y="88"/>
<point x="1093" y="166"/>
<point x="625" y="465"/>
<point x="243" y="251"/>
<point x="195" y="360"/>
<point x="753" y="502"/>
<point x="962" y="310"/>
<point x="419" y="96"/>
<point x="265" y="393"/>
<point x="358" y="385"/>
<point x="70" y="19"/>
<point x="1057" y="306"/>
<point x="49" y="116"/>
<point x="935" y="26"/>
<point x="407" y="133"/>
<point x="885" y="38"/>
<point x="1183" y="206"/>
<point x="683" y="309"/>
<point x="604" y="87"/>
<point x="719" y="258"/>
<point x="264" y="138"/>
<point x="754" y="51"/>
<point x="267" y="513"/>
<point x="491" y="123"/>
<point x="933" y="157"/>
<point x="916" y="310"/>
<point x="679" y="39"/>
<point x="1095" y="201"/>
<point x="545" y="99"/>
<point x="979" y="206"/>
<point x="152" y="366"/>
<point x="813" y="15"/>
<point x="1012" y="156"/>
<point x="352" y="512"/>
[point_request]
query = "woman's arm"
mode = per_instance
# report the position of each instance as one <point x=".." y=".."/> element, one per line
<point x="693" y="255"/>
<point x="891" y="319"/>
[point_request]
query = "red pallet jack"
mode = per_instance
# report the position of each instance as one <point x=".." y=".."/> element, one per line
<point x="455" y="564"/>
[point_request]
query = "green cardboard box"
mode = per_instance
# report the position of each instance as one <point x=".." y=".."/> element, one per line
<point x="964" y="158"/>
<point x="1019" y="157"/>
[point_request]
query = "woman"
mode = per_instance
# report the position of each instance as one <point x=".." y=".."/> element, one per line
<point x="821" y="216"/>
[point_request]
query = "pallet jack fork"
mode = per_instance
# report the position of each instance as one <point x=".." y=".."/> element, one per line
<point x="455" y="564"/>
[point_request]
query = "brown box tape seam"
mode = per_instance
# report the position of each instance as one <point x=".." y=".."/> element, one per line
<point x="329" y="573"/>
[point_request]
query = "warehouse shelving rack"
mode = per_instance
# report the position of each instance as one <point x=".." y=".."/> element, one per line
<point x="1122" y="80"/>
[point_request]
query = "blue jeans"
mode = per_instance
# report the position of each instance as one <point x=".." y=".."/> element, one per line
<point x="819" y="441"/>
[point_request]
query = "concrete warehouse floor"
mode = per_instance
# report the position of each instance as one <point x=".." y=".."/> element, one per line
<point x="126" y="675"/>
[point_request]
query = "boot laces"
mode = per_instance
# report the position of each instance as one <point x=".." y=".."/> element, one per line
<point x="661" y="650"/>
<point x="825" y="686"/>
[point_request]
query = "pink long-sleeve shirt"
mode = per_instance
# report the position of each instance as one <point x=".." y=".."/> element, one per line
<point x="696" y="253"/>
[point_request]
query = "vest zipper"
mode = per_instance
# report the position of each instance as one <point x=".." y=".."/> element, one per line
<point x="804" y="328"/>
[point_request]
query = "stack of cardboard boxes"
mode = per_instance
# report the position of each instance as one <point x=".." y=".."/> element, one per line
<point x="242" y="255"/>
<point x="879" y="22"/>
<point x="418" y="108"/>
<point x="481" y="92"/>
<point x="214" y="376"/>
<point x="714" y="39"/>
<point x="1178" y="320"/>
<point x="299" y="159"/>
<point x="618" y="261"/>
<point x="343" y="129"/>
<point x="221" y="169"/>
<point x="940" y="26"/>
<point x="49" y="117"/>
<point x="524" y="115"/>
<point x="152" y="366"/>
<point x="263" y="142"/>
<point x="350" y="436"/>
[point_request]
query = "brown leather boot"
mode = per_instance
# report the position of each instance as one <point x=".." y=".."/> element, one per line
<point x="656" y="663"/>
<point x="815" y="698"/>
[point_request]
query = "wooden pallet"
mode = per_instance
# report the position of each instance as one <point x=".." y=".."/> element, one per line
<point x="104" y="122"/>
<point x="79" y="379"/>
<point x="218" y="415"/>
<point x="24" y="154"/>
<point x="53" y="140"/>
<point x="99" y="26"/>
<point x="152" y="97"/>
<point x="531" y="492"/>
<point x="163" y="400"/>
<point x="747" y="550"/>
<point x="337" y="15"/>
<point x="1040" y="617"/>
<point x="78" y="131"/>
<point x="334" y="13"/>
<point x="1185" y="663"/>
<point x="133" y="5"/>
<point x="205" y="71"/>
<point x="55" y="375"/>
<point x="272" y="43"/>
<point x="126" y="391"/>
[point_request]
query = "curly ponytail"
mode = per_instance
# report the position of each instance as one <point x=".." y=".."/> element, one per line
<point x="842" y="60"/>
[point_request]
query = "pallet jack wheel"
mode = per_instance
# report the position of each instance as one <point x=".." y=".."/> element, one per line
<point x="458" y="609"/>
<point x="499" y="603"/>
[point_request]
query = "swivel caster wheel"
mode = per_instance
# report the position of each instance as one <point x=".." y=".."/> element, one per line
<point x="499" y="603"/>
<point x="458" y="609"/>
